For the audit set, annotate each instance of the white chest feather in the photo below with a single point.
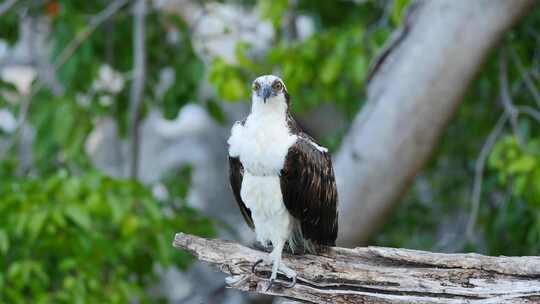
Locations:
(262, 195)
(262, 144)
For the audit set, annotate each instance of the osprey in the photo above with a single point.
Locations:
(282, 179)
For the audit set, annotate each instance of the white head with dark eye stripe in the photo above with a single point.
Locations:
(269, 89)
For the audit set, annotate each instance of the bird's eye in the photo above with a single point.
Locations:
(277, 86)
(256, 86)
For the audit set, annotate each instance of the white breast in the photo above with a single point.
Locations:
(262, 195)
(262, 143)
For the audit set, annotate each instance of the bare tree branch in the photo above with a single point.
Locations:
(394, 40)
(137, 89)
(377, 275)
(479, 172)
(411, 96)
(529, 83)
(529, 111)
(6, 6)
(506, 98)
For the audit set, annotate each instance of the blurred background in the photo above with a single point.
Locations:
(114, 116)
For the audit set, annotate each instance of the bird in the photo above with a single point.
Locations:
(282, 179)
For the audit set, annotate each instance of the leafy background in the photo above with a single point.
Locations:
(70, 233)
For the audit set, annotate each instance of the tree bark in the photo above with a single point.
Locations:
(137, 88)
(414, 90)
(377, 274)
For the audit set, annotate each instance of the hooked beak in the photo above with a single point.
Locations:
(267, 90)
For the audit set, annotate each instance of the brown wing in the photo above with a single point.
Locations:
(309, 191)
(236, 174)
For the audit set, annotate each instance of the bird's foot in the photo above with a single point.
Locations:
(274, 259)
(277, 266)
(289, 273)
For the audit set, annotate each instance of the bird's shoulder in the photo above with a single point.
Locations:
(307, 146)
(302, 137)
(309, 143)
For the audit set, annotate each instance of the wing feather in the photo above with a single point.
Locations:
(309, 191)
(236, 175)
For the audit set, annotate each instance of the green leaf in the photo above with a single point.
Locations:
(523, 164)
(398, 11)
(4, 243)
(273, 10)
(14, 271)
(79, 217)
(68, 264)
(9, 29)
(233, 90)
(358, 69)
(151, 208)
(520, 184)
(129, 225)
(20, 226)
(58, 218)
(36, 223)
(241, 55)
(330, 70)
(118, 210)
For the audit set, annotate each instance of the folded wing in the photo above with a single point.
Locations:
(236, 175)
(309, 190)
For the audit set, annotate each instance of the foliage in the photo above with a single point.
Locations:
(107, 47)
(68, 233)
(85, 239)
(327, 67)
(175, 54)
(515, 221)
(61, 133)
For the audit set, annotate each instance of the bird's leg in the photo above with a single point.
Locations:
(274, 259)
(277, 265)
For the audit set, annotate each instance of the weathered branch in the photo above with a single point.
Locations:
(378, 275)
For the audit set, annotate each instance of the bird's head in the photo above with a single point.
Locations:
(269, 89)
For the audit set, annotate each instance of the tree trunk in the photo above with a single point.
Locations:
(416, 86)
(377, 275)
